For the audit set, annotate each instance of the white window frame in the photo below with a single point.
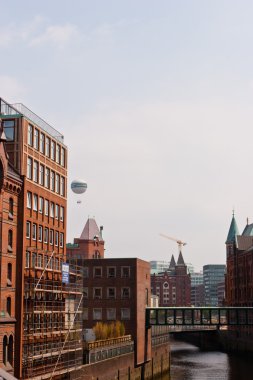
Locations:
(61, 213)
(30, 135)
(36, 139)
(41, 205)
(34, 231)
(28, 229)
(61, 239)
(35, 171)
(35, 202)
(40, 234)
(42, 175)
(42, 143)
(51, 237)
(47, 147)
(29, 199)
(56, 238)
(52, 150)
(46, 235)
(56, 211)
(46, 207)
(29, 168)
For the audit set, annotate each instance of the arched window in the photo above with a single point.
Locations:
(11, 208)
(5, 348)
(8, 305)
(10, 351)
(9, 275)
(10, 240)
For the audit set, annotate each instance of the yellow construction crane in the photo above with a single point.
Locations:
(180, 243)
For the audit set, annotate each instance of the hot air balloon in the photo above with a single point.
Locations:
(78, 186)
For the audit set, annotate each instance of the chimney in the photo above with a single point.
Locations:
(101, 230)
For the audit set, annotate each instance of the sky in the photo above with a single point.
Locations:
(154, 99)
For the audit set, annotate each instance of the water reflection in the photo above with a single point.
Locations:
(189, 363)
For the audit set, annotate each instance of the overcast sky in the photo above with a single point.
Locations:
(154, 99)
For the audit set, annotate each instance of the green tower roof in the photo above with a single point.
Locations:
(233, 231)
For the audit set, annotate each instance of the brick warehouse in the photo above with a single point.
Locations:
(38, 155)
(173, 287)
(239, 276)
(114, 289)
(10, 184)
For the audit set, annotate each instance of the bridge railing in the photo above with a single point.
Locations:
(191, 316)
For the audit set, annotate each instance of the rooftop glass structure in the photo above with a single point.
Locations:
(18, 110)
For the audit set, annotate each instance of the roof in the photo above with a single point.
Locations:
(248, 230)
(172, 263)
(91, 231)
(233, 231)
(244, 242)
(180, 260)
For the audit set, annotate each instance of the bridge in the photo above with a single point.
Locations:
(198, 318)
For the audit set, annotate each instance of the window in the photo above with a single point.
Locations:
(35, 171)
(34, 231)
(61, 239)
(10, 351)
(47, 147)
(30, 135)
(29, 168)
(11, 203)
(97, 314)
(111, 272)
(40, 233)
(35, 202)
(125, 313)
(36, 139)
(52, 150)
(97, 293)
(96, 255)
(85, 292)
(29, 199)
(51, 209)
(111, 293)
(56, 211)
(28, 230)
(42, 143)
(58, 154)
(52, 181)
(51, 239)
(34, 260)
(9, 274)
(41, 179)
(111, 314)
(41, 205)
(46, 207)
(56, 238)
(8, 305)
(10, 240)
(40, 261)
(57, 183)
(62, 156)
(56, 264)
(47, 178)
(125, 293)
(61, 213)
(125, 272)
(62, 190)
(27, 259)
(85, 272)
(46, 235)
(97, 272)
(9, 129)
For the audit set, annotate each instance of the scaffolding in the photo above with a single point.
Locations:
(52, 318)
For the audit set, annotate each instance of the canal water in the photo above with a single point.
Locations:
(190, 363)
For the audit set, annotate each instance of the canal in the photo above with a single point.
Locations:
(190, 363)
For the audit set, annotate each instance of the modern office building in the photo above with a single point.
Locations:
(159, 266)
(37, 154)
(213, 274)
(173, 287)
(197, 289)
(239, 275)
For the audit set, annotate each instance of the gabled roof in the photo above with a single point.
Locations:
(180, 260)
(233, 231)
(91, 231)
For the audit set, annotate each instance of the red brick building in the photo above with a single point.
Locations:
(37, 153)
(173, 287)
(114, 289)
(90, 245)
(10, 190)
(239, 276)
